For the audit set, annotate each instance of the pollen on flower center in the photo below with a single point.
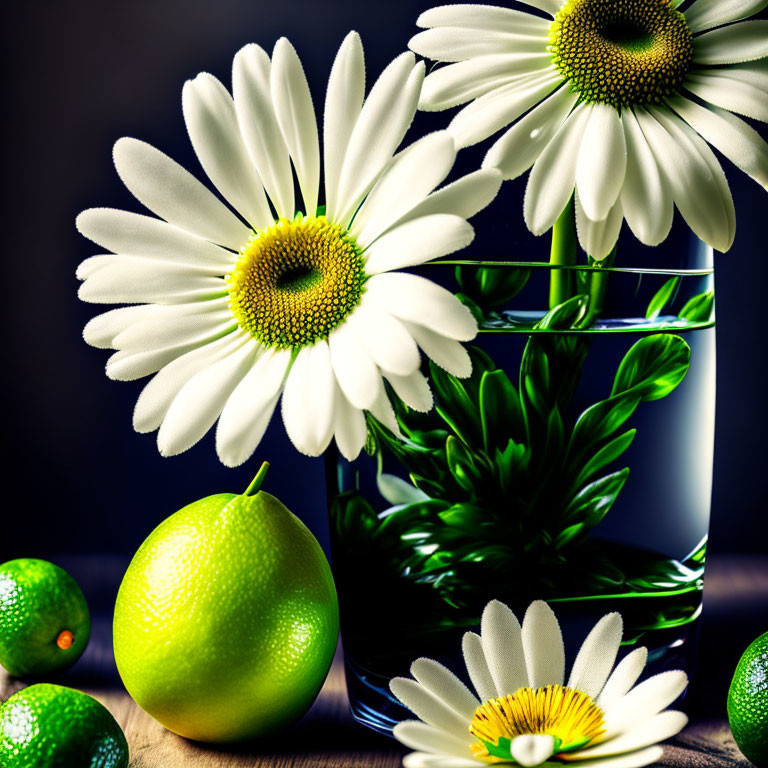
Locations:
(621, 52)
(568, 715)
(296, 281)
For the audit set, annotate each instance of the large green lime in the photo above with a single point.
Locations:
(44, 619)
(748, 702)
(49, 726)
(226, 620)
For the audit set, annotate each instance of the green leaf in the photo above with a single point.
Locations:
(569, 534)
(491, 287)
(608, 453)
(698, 309)
(591, 504)
(454, 405)
(500, 410)
(653, 367)
(462, 465)
(602, 419)
(566, 315)
(662, 298)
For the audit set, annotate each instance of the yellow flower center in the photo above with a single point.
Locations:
(296, 281)
(569, 716)
(621, 52)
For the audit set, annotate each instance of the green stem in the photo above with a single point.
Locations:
(258, 480)
(598, 283)
(564, 251)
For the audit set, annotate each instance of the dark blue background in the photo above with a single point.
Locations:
(79, 75)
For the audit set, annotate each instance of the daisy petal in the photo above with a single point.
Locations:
(101, 330)
(198, 404)
(551, 181)
(418, 241)
(517, 149)
(426, 760)
(385, 339)
(626, 674)
(646, 200)
(454, 44)
(343, 102)
(174, 194)
(729, 93)
(308, 399)
(483, 17)
(705, 14)
(532, 749)
(464, 197)
(248, 410)
(355, 371)
(477, 667)
(739, 142)
(502, 106)
(595, 659)
(209, 113)
(602, 161)
(427, 707)
(447, 353)
(503, 648)
(745, 41)
(753, 72)
(349, 427)
(296, 118)
(418, 735)
(444, 685)
(413, 390)
(381, 409)
(632, 760)
(543, 646)
(421, 301)
(597, 238)
(258, 125)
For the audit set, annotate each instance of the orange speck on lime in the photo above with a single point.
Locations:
(65, 640)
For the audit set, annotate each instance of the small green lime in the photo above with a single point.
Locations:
(748, 703)
(227, 619)
(49, 726)
(44, 619)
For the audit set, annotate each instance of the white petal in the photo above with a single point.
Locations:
(729, 93)
(428, 707)
(486, 17)
(132, 234)
(739, 142)
(355, 371)
(343, 102)
(456, 44)
(385, 339)
(412, 175)
(693, 175)
(308, 400)
(93, 264)
(174, 194)
(597, 238)
(550, 184)
(249, 409)
(296, 117)
(443, 684)
(421, 301)
(381, 409)
(596, 656)
(745, 41)
(652, 731)
(447, 353)
(258, 126)
(157, 396)
(543, 646)
(753, 72)
(645, 199)
(418, 735)
(398, 491)
(349, 427)
(385, 117)
(705, 14)
(502, 106)
(418, 241)
(413, 390)
(532, 749)
(626, 674)
(129, 365)
(101, 330)
(503, 648)
(632, 760)
(463, 81)
(209, 113)
(198, 404)
(644, 701)
(477, 667)
(426, 760)
(517, 149)
(602, 161)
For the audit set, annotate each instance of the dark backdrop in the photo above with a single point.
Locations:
(78, 75)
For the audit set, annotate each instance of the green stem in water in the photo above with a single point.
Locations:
(564, 251)
(598, 283)
(255, 485)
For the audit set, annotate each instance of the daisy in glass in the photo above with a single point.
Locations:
(613, 99)
(525, 713)
(236, 307)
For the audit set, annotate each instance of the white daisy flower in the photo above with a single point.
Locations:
(236, 307)
(615, 99)
(525, 713)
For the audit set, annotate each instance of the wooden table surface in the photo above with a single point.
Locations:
(328, 737)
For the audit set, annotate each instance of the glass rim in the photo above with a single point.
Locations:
(545, 265)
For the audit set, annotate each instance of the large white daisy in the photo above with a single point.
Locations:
(523, 712)
(615, 99)
(236, 306)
